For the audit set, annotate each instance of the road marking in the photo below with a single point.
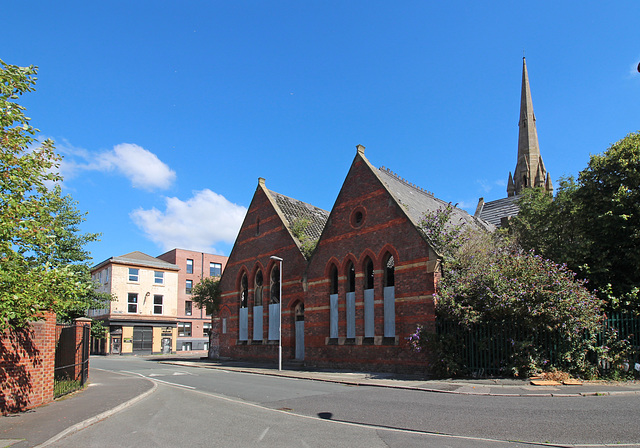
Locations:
(158, 380)
(90, 421)
(264, 433)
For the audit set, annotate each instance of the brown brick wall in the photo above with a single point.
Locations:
(27, 365)
(384, 229)
(256, 243)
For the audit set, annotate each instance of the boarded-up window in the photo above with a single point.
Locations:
(369, 316)
(351, 300)
(274, 321)
(243, 330)
(333, 302)
(257, 323)
(389, 297)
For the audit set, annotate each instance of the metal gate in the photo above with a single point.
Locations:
(71, 369)
(142, 339)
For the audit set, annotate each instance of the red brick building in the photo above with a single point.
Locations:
(354, 299)
(194, 324)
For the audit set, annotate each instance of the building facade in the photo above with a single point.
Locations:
(356, 297)
(194, 324)
(142, 318)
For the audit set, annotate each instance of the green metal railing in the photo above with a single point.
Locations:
(494, 348)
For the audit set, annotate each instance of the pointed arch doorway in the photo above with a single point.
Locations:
(299, 325)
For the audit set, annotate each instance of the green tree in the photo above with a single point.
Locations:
(42, 263)
(552, 226)
(593, 224)
(206, 294)
(609, 197)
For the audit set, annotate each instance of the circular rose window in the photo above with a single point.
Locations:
(357, 217)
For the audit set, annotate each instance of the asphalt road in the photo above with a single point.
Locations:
(205, 407)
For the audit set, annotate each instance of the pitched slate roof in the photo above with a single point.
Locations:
(294, 210)
(138, 258)
(494, 211)
(417, 201)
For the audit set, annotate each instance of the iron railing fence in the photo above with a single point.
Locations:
(493, 349)
(71, 369)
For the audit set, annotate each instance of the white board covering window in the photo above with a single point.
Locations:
(257, 323)
(333, 316)
(243, 330)
(351, 315)
(369, 319)
(274, 321)
(389, 312)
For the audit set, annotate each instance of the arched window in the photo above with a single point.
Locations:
(257, 307)
(389, 297)
(351, 277)
(334, 279)
(333, 302)
(274, 304)
(368, 274)
(258, 289)
(351, 300)
(389, 271)
(275, 284)
(244, 291)
(243, 317)
(369, 299)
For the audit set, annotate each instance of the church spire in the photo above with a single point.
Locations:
(530, 170)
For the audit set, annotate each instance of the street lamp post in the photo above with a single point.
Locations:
(273, 257)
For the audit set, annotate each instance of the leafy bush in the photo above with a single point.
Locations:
(494, 294)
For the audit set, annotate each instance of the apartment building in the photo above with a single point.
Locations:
(142, 318)
(193, 323)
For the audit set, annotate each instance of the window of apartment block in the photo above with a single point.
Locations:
(132, 302)
(106, 275)
(189, 266)
(100, 277)
(134, 274)
(188, 307)
(184, 329)
(189, 286)
(206, 329)
(158, 277)
(215, 269)
(157, 304)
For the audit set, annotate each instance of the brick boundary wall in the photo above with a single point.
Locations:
(27, 365)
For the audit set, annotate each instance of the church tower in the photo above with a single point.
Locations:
(530, 170)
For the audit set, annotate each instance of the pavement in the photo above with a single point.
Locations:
(109, 392)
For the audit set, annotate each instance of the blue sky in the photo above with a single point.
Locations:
(167, 113)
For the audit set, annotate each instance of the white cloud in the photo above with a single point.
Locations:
(199, 223)
(142, 167)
